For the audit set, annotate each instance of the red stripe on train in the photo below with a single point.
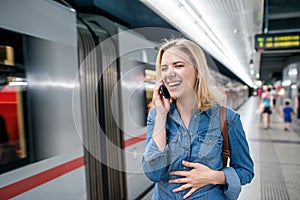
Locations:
(36, 180)
(134, 140)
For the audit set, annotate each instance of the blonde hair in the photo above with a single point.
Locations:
(206, 90)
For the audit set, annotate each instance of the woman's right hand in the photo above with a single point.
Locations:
(162, 104)
(162, 107)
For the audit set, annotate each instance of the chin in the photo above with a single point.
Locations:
(175, 95)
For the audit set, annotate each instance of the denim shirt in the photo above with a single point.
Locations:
(200, 143)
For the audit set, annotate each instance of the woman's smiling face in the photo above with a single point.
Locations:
(179, 75)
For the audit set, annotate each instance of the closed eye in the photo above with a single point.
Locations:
(179, 66)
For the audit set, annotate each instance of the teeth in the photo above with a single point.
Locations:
(175, 83)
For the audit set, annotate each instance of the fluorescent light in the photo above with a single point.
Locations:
(183, 17)
(259, 83)
(286, 83)
(17, 83)
(293, 72)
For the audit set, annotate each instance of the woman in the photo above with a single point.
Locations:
(184, 140)
(267, 102)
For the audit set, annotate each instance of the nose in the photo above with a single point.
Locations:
(170, 72)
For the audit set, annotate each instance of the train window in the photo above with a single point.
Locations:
(11, 48)
(137, 86)
(6, 55)
(13, 138)
(150, 75)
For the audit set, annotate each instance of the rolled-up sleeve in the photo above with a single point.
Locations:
(233, 182)
(241, 170)
(154, 161)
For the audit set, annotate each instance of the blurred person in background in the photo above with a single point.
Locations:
(287, 115)
(267, 103)
(274, 94)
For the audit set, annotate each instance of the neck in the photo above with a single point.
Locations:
(186, 107)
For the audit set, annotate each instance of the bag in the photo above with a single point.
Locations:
(226, 148)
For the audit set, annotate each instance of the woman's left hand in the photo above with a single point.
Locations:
(199, 176)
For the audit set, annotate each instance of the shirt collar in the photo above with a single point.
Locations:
(174, 114)
(212, 111)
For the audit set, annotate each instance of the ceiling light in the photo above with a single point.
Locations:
(286, 83)
(187, 19)
(294, 86)
(293, 72)
(257, 75)
(235, 31)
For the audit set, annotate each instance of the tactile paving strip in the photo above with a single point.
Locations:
(272, 182)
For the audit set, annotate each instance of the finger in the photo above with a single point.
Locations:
(179, 180)
(156, 88)
(190, 164)
(166, 101)
(157, 97)
(189, 193)
(179, 173)
(181, 188)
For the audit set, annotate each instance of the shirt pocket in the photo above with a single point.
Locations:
(210, 145)
(173, 141)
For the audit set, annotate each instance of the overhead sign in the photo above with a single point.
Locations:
(280, 41)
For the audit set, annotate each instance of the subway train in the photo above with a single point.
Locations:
(74, 95)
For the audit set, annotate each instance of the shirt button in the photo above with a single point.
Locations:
(195, 116)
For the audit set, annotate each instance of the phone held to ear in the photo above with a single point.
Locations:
(164, 91)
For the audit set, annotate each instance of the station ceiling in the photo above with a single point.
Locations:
(278, 16)
(281, 16)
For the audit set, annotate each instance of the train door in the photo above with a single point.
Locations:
(101, 136)
(114, 63)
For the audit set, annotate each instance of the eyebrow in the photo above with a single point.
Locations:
(174, 63)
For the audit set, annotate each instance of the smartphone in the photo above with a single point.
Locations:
(164, 91)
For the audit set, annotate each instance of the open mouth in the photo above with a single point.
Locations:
(173, 84)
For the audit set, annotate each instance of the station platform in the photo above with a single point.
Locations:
(275, 153)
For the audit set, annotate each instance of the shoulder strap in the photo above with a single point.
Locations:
(223, 123)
